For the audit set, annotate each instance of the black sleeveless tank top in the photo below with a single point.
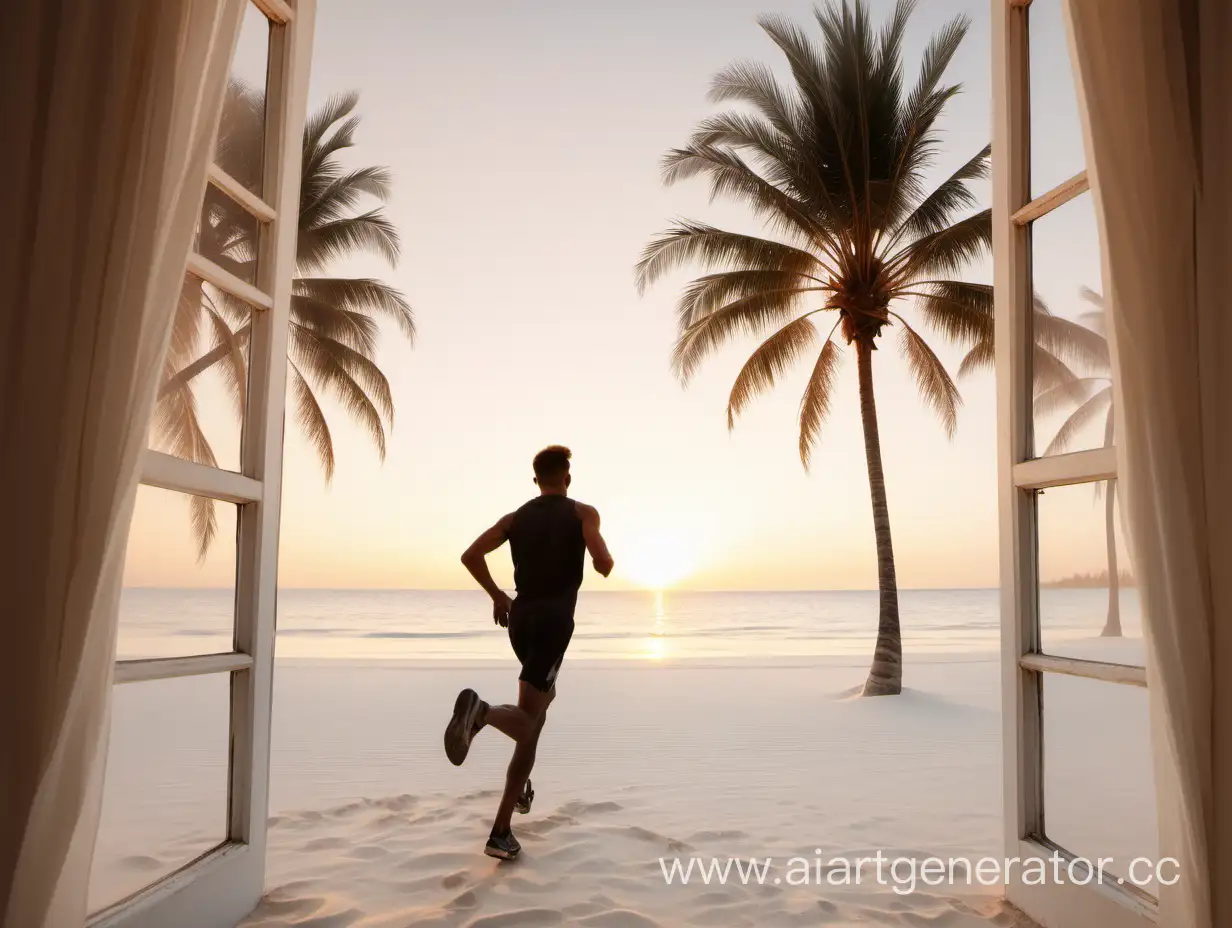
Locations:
(548, 549)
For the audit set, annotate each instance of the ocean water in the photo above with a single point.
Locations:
(733, 626)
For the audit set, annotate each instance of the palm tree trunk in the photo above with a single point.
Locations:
(885, 678)
(186, 373)
(1112, 627)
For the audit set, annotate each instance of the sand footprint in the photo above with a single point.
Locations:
(718, 836)
(619, 918)
(325, 844)
(368, 852)
(466, 900)
(522, 918)
(577, 807)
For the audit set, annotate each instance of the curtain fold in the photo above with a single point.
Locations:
(1155, 81)
(110, 109)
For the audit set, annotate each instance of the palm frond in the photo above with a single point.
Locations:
(237, 312)
(1085, 413)
(936, 60)
(1072, 343)
(846, 106)
(890, 45)
(312, 420)
(711, 291)
(342, 194)
(355, 330)
(730, 176)
(240, 149)
(982, 356)
(938, 209)
(755, 84)
(815, 404)
(771, 360)
(961, 311)
(750, 315)
(185, 323)
(773, 153)
(1095, 319)
(320, 142)
(1048, 371)
(321, 362)
(338, 107)
(235, 363)
(808, 66)
(931, 378)
(176, 429)
(950, 250)
(371, 231)
(1069, 393)
(204, 523)
(709, 246)
(360, 295)
(320, 355)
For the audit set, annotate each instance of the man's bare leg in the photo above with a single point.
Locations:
(523, 723)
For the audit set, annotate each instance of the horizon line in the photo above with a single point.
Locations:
(408, 589)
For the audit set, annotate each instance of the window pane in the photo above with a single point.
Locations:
(199, 414)
(1073, 374)
(1088, 600)
(1056, 127)
(1099, 787)
(228, 235)
(165, 794)
(176, 602)
(240, 150)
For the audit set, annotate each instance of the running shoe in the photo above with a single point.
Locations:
(522, 806)
(503, 847)
(468, 712)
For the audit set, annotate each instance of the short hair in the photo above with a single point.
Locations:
(552, 463)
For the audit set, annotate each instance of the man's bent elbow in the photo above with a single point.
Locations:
(605, 566)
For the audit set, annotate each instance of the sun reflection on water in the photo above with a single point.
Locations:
(657, 645)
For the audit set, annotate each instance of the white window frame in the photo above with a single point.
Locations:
(1020, 477)
(223, 885)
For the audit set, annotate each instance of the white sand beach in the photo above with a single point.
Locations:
(643, 760)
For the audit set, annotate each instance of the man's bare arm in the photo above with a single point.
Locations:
(474, 559)
(594, 540)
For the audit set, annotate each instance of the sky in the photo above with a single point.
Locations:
(524, 141)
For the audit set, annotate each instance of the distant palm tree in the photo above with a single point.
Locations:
(1061, 345)
(334, 327)
(835, 165)
(1092, 397)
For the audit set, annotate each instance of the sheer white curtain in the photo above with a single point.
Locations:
(1156, 82)
(109, 109)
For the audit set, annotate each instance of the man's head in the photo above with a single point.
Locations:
(552, 468)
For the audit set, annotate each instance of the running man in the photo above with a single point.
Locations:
(548, 538)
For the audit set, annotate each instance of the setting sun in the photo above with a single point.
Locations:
(657, 562)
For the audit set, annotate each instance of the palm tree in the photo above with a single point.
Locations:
(333, 329)
(835, 165)
(1061, 345)
(1091, 395)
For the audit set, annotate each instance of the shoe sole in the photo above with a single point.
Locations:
(499, 854)
(458, 731)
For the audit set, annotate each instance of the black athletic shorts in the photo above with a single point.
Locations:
(539, 630)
